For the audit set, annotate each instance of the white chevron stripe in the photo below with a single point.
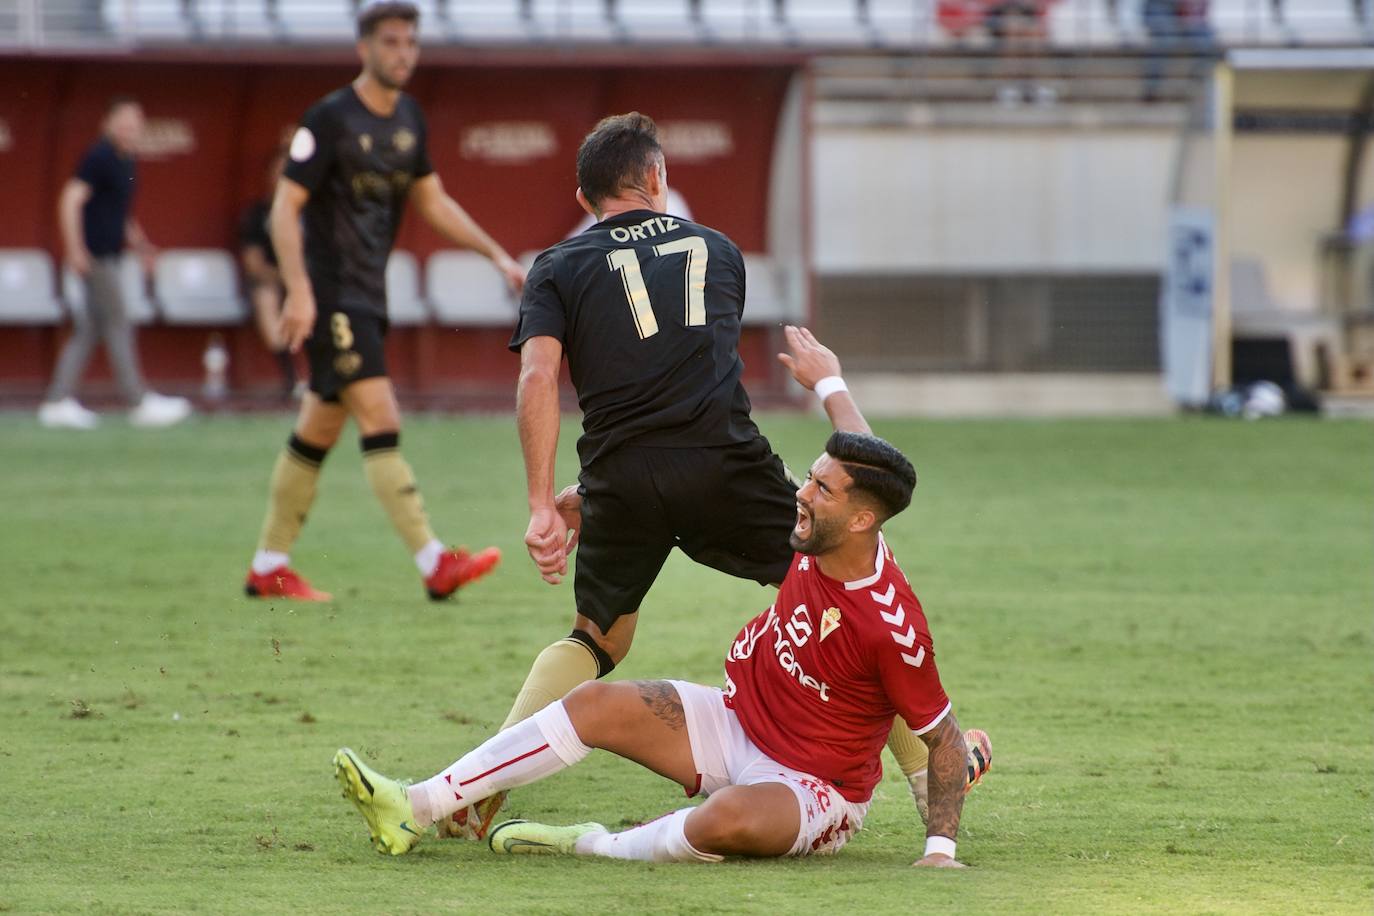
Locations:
(915, 660)
(885, 599)
(905, 639)
(897, 618)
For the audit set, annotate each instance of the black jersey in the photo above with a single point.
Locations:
(648, 308)
(358, 168)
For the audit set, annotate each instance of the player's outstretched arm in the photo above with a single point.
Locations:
(284, 223)
(947, 775)
(445, 214)
(815, 366)
(536, 414)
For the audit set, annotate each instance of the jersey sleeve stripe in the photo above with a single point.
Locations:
(935, 721)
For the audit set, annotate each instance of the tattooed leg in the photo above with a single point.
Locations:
(642, 721)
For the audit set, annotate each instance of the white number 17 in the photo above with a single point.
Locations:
(627, 262)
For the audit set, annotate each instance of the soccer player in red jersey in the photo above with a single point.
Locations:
(788, 753)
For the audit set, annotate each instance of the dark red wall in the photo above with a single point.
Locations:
(233, 113)
(237, 112)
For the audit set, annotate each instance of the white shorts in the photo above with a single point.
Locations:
(724, 756)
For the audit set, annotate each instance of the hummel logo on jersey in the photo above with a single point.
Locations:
(805, 564)
(830, 622)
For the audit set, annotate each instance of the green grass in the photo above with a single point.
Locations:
(1165, 626)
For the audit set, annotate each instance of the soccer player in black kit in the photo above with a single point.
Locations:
(646, 306)
(357, 158)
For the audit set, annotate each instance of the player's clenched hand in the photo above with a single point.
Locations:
(544, 539)
(569, 505)
(807, 358)
(297, 318)
(938, 860)
(512, 271)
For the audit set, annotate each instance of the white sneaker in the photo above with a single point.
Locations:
(66, 414)
(159, 410)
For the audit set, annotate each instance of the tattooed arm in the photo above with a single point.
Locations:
(947, 776)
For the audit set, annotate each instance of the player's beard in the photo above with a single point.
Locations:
(826, 535)
(384, 79)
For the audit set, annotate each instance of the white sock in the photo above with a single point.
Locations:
(528, 751)
(663, 840)
(427, 558)
(264, 561)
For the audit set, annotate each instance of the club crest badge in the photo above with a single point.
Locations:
(403, 140)
(830, 622)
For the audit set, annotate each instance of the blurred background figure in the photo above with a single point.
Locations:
(261, 277)
(94, 217)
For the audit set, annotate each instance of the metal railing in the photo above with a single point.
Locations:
(819, 24)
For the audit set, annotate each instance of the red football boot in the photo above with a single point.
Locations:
(457, 568)
(283, 582)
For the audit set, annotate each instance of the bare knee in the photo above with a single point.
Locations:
(732, 822)
(585, 704)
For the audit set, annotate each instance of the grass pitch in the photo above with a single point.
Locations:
(1165, 626)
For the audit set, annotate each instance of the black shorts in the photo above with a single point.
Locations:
(347, 346)
(729, 507)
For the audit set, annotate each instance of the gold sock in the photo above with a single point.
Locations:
(290, 494)
(910, 751)
(557, 670)
(393, 483)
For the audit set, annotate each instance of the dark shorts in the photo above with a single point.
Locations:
(728, 507)
(346, 346)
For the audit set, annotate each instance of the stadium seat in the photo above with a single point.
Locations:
(155, 20)
(197, 286)
(404, 304)
(307, 21)
(494, 20)
(765, 301)
(826, 22)
(1323, 22)
(1082, 23)
(658, 20)
(26, 287)
(133, 283)
(740, 21)
(464, 288)
(234, 20)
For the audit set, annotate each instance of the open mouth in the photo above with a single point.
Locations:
(803, 526)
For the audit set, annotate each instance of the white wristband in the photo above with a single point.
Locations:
(941, 844)
(828, 386)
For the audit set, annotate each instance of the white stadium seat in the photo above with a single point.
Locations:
(658, 20)
(197, 286)
(404, 304)
(133, 283)
(492, 20)
(306, 21)
(834, 22)
(27, 287)
(765, 301)
(465, 288)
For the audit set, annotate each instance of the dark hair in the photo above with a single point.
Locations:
(616, 154)
(118, 101)
(876, 468)
(371, 14)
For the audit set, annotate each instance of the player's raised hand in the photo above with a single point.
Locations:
(545, 540)
(569, 505)
(938, 860)
(807, 358)
(297, 318)
(512, 271)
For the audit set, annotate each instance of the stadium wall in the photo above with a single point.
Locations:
(503, 139)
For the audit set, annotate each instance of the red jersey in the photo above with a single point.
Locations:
(817, 678)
